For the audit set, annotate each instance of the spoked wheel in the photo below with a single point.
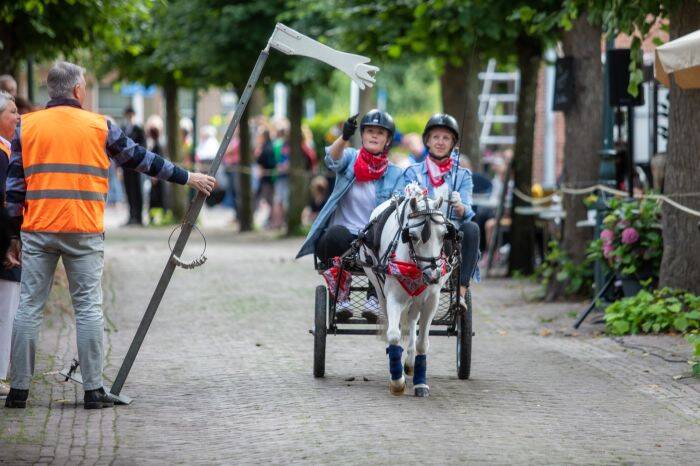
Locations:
(320, 332)
(464, 339)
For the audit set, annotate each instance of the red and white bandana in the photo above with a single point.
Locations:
(333, 275)
(370, 167)
(437, 171)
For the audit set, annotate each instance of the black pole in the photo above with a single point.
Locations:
(187, 225)
(630, 151)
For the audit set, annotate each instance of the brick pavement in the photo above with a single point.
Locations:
(224, 376)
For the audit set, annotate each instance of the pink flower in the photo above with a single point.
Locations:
(607, 236)
(629, 236)
(607, 250)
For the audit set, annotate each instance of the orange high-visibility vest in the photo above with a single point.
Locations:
(66, 169)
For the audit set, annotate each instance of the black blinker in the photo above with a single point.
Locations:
(425, 233)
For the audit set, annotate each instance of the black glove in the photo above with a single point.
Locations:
(349, 127)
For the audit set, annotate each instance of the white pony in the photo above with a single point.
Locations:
(408, 270)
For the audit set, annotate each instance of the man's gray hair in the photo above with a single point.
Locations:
(62, 78)
(5, 98)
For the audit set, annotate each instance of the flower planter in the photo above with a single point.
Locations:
(630, 285)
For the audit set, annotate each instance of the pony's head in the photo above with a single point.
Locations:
(424, 231)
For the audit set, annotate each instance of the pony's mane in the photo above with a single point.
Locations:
(413, 189)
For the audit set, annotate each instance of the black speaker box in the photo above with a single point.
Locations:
(563, 84)
(619, 79)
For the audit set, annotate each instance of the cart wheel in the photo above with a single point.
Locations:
(464, 339)
(320, 332)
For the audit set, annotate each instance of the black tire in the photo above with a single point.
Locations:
(464, 339)
(320, 332)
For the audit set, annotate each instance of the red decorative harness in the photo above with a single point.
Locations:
(410, 276)
(336, 279)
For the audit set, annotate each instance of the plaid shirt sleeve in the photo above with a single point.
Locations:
(126, 153)
(16, 187)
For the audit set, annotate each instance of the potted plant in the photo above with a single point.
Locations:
(631, 243)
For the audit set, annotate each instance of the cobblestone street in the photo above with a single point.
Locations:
(224, 376)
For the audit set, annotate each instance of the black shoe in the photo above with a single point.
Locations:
(17, 398)
(97, 399)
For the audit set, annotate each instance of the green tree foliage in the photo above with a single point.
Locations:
(43, 29)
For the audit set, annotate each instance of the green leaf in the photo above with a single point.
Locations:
(394, 51)
(680, 323)
(620, 327)
(420, 10)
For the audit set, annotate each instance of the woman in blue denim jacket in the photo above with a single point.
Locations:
(364, 179)
(442, 177)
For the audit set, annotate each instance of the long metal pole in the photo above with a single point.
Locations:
(190, 219)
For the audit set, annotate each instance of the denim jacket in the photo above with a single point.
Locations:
(464, 185)
(391, 182)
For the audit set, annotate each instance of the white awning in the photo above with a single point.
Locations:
(682, 58)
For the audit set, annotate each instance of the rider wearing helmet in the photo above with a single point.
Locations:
(442, 176)
(364, 179)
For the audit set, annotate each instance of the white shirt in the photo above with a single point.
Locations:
(355, 207)
(5, 142)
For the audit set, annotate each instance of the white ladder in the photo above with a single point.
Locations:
(490, 103)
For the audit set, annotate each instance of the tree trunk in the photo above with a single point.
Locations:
(583, 135)
(298, 177)
(459, 87)
(9, 63)
(178, 194)
(522, 237)
(245, 205)
(680, 267)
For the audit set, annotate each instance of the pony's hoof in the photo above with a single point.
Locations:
(421, 391)
(397, 389)
(408, 370)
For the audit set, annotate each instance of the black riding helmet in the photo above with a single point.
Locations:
(441, 120)
(381, 119)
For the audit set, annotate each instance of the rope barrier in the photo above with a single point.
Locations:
(616, 192)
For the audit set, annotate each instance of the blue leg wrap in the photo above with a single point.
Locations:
(420, 369)
(395, 366)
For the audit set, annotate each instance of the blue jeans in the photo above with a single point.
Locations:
(83, 259)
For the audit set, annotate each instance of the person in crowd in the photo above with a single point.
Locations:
(413, 143)
(64, 146)
(186, 141)
(266, 160)
(8, 84)
(364, 179)
(307, 148)
(281, 148)
(443, 177)
(499, 168)
(318, 195)
(156, 197)
(132, 179)
(487, 211)
(10, 271)
(232, 160)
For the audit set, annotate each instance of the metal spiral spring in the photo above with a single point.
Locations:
(194, 263)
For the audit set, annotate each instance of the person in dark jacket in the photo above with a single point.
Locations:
(132, 179)
(10, 272)
(157, 195)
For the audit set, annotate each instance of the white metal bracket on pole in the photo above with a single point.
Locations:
(291, 42)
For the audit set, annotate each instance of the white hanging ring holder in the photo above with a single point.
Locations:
(196, 262)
